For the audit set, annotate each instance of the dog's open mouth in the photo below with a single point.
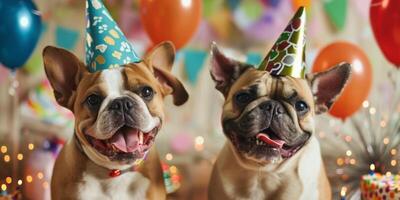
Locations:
(126, 143)
(266, 144)
(269, 138)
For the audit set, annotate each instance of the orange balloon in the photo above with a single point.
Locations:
(173, 20)
(299, 3)
(359, 85)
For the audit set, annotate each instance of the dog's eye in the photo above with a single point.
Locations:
(147, 93)
(242, 98)
(94, 100)
(301, 106)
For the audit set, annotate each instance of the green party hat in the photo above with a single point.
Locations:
(106, 45)
(287, 56)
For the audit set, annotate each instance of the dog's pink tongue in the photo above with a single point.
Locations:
(126, 140)
(275, 143)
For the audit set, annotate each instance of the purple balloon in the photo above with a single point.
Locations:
(271, 24)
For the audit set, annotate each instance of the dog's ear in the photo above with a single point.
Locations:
(64, 71)
(161, 59)
(224, 71)
(328, 85)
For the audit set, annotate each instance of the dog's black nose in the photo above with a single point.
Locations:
(123, 104)
(273, 107)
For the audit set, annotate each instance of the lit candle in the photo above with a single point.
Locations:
(372, 169)
(343, 193)
(3, 190)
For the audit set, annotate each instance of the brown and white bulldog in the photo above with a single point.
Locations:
(118, 113)
(271, 151)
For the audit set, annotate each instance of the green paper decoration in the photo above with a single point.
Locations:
(337, 12)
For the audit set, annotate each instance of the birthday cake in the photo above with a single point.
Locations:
(380, 187)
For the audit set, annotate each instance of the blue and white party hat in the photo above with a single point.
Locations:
(106, 45)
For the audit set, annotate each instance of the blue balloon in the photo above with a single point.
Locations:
(20, 28)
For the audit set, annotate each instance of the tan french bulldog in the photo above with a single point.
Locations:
(271, 151)
(118, 113)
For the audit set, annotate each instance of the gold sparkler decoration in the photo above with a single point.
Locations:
(367, 142)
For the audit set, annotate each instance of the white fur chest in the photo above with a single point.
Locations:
(297, 179)
(309, 170)
(130, 185)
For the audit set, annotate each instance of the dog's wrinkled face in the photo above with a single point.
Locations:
(118, 111)
(267, 117)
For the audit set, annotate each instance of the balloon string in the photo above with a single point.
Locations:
(15, 125)
(12, 90)
(393, 76)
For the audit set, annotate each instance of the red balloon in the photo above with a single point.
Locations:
(359, 85)
(173, 20)
(385, 22)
